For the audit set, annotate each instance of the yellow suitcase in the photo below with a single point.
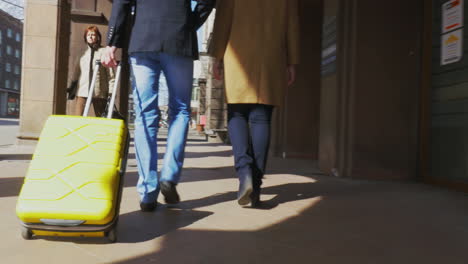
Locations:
(73, 185)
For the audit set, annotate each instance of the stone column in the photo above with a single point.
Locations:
(45, 56)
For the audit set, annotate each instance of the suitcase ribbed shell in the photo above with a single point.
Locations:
(74, 173)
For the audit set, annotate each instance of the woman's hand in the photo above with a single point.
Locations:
(291, 72)
(218, 69)
(108, 57)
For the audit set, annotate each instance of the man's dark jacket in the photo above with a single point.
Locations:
(158, 25)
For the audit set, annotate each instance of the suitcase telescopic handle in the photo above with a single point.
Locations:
(93, 85)
(114, 91)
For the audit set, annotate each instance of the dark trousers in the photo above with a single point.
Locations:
(249, 131)
(99, 105)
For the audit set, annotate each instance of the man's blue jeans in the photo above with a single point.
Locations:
(146, 68)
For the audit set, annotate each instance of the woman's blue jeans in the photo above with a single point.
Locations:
(249, 131)
(146, 68)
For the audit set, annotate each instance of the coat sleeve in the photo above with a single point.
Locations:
(121, 10)
(202, 11)
(76, 71)
(222, 28)
(293, 33)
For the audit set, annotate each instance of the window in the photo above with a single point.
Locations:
(7, 84)
(18, 37)
(17, 69)
(8, 50)
(195, 94)
(9, 33)
(17, 53)
(86, 5)
(8, 67)
(16, 85)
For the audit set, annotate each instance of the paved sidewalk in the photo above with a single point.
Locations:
(8, 131)
(306, 218)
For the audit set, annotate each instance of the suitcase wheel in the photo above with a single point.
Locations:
(26, 233)
(112, 235)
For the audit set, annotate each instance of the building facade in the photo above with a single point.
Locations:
(380, 91)
(212, 108)
(11, 42)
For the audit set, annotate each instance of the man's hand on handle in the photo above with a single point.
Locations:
(108, 57)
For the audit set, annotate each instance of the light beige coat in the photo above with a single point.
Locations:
(257, 40)
(83, 75)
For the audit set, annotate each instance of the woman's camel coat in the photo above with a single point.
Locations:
(257, 40)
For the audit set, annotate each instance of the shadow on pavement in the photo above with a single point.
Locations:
(190, 155)
(197, 139)
(9, 122)
(350, 222)
(131, 179)
(10, 186)
(193, 174)
(191, 143)
(205, 144)
(282, 194)
(189, 175)
(136, 227)
(224, 153)
(16, 156)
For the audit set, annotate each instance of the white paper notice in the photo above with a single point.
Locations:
(452, 15)
(452, 47)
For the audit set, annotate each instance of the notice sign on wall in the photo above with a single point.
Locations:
(452, 32)
(452, 47)
(452, 15)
